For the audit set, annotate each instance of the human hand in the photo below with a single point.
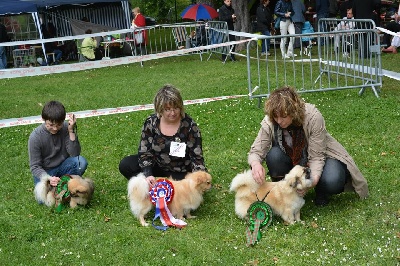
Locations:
(151, 180)
(54, 181)
(258, 172)
(71, 122)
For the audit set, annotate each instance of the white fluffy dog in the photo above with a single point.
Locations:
(81, 191)
(282, 196)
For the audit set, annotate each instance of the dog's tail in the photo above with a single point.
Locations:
(42, 194)
(244, 179)
(138, 187)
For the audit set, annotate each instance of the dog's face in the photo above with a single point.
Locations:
(81, 188)
(299, 177)
(202, 179)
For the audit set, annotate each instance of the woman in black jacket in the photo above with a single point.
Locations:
(264, 22)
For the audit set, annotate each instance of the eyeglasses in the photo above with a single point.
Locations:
(170, 110)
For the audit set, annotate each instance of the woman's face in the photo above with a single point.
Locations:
(171, 113)
(283, 122)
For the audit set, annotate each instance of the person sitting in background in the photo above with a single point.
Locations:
(89, 48)
(394, 26)
(345, 24)
(170, 141)
(197, 37)
(49, 31)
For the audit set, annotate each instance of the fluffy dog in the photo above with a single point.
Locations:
(81, 191)
(188, 195)
(282, 196)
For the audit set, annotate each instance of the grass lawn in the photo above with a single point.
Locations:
(348, 231)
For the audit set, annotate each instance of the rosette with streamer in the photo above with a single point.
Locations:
(161, 194)
(61, 193)
(260, 215)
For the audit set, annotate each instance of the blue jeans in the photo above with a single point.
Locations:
(332, 180)
(263, 50)
(3, 57)
(71, 166)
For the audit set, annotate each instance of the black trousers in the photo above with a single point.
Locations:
(333, 178)
(129, 167)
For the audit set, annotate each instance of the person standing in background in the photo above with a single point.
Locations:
(227, 14)
(140, 36)
(298, 19)
(322, 9)
(284, 12)
(3, 52)
(264, 24)
(365, 9)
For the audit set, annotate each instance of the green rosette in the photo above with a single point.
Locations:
(260, 210)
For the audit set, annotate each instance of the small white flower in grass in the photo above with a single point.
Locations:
(43, 256)
(173, 255)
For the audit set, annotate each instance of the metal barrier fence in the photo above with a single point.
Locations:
(336, 57)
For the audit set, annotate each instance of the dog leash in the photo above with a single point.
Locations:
(260, 216)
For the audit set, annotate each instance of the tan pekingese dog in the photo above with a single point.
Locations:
(188, 195)
(282, 196)
(81, 191)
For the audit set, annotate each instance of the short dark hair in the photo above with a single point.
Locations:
(54, 111)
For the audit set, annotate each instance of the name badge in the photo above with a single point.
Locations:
(177, 149)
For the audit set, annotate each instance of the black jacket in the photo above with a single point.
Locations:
(225, 14)
(264, 18)
(3, 34)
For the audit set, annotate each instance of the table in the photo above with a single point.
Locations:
(107, 45)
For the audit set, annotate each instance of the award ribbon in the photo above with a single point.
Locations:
(62, 194)
(260, 215)
(161, 194)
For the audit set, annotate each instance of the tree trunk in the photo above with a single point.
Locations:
(242, 19)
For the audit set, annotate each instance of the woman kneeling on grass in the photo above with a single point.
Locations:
(170, 144)
(293, 133)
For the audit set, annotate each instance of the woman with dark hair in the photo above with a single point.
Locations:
(293, 133)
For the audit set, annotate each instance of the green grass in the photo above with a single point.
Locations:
(348, 231)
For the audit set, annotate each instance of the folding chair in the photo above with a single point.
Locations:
(180, 36)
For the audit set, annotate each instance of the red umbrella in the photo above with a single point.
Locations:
(199, 11)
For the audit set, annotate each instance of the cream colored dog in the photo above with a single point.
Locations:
(81, 191)
(188, 195)
(282, 196)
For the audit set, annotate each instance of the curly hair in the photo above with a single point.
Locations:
(168, 95)
(283, 102)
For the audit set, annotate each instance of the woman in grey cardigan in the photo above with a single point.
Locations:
(293, 133)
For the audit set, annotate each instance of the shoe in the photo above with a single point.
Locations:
(321, 200)
(233, 59)
(291, 55)
(263, 54)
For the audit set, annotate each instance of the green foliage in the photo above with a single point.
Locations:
(348, 231)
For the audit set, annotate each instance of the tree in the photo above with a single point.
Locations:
(242, 19)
